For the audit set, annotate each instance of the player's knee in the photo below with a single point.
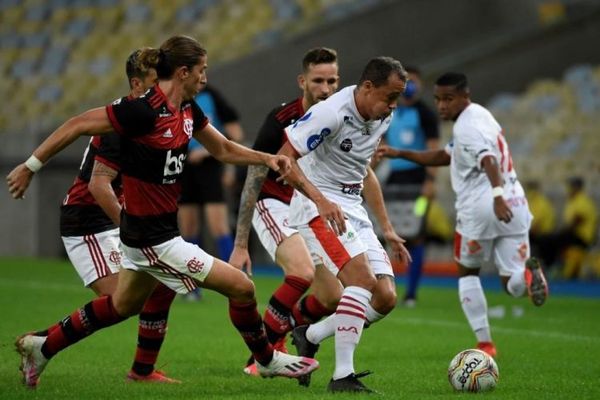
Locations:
(243, 290)
(384, 301)
(306, 272)
(127, 309)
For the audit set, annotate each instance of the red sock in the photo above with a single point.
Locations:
(246, 319)
(309, 310)
(277, 316)
(95, 315)
(152, 329)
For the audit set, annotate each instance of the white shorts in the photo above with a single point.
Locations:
(94, 256)
(334, 251)
(176, 263)
(508, 253)
(270, 221)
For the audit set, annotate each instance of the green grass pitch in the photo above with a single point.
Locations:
(551, 352)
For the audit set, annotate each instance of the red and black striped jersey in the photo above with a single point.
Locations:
(154, 142)
(80, 214)
(270, 139)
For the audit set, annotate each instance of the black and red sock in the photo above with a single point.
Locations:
(246, 319)
(277, 316)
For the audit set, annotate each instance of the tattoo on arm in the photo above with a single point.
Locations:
(101, 169)
(254, 181)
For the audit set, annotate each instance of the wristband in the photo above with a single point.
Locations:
(497, 191)
(34, 164)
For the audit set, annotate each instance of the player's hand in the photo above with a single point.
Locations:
(502, 210)
(279, 163)
(18, 181)
(332, 216)
(384, 151)
(240, 258)
(399, 251)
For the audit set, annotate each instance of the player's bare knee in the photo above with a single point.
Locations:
(243, 290)
(305, 272)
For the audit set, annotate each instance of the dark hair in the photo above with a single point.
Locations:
(576, 182)
(177, 51)
(456, 79)
(318, 55)
(379, 69)
(134, 68)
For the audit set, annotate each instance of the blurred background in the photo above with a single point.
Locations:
(531, 62)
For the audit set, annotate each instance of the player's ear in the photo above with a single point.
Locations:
(301, 81)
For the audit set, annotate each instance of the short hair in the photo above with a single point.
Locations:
(177, 51)
(318, 55)
(134, 68)
(456, 79)
(379, 69)
(576, 182)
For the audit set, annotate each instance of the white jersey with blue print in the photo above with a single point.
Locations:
(477, 134)
(336, 144)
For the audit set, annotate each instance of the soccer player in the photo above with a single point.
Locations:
(155, 130)
(269, 215)
(492, 215)
(334, 142)
(89, 220)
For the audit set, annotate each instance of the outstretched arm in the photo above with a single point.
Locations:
(374, 198)
(92, 122)
(228, 151)
(428, 158)
(240, 256)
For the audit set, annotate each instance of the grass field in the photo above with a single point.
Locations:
(548, 353)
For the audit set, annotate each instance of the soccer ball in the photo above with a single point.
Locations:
(473, 370)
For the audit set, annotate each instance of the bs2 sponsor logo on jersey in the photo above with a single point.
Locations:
(315, 140)
(173, 167)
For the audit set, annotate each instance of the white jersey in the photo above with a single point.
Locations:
(477, 134)
(337, 145)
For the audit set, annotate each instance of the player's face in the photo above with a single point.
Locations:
(381, 101)
(449, 101)
(196, 78)
(319, 82)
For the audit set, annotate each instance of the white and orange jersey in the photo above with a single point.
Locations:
(477, 134)
(336, 144)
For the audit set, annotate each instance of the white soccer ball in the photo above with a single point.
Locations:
(473, 370)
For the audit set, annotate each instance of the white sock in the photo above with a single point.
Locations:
(321, 330)
(372, 315)
(349, 322)
(474, 305)
(516, 284)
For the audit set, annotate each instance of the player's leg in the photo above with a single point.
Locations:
(469, 255)
(132, 290)
(519, 272)
(243, 312)
(217, 220)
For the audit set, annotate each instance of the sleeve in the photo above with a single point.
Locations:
(473, 145)
(310, 130)
(109, 151)
(200, 119)
(133, 117)
(225, 110)
(429, 122)
(270, 136)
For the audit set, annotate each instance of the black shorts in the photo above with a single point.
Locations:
(202, 183)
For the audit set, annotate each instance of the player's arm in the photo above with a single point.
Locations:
(374, 197)
(489, 163)
(432, 158)
(330, 212)
(100, 187)
(228, 151)
(91, 122)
